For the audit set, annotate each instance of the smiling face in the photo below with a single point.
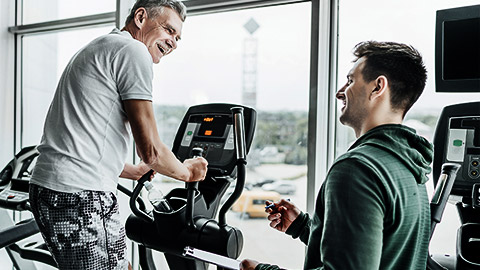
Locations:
(354, 96)
(159, 34)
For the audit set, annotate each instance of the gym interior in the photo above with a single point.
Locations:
(284, 58)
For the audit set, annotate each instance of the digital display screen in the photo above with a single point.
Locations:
(213, 125)
(461, 49)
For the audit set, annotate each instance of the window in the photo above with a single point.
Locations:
(411, 22)
(258, 58)
(43, 59)
(49, 10)
(254, 57)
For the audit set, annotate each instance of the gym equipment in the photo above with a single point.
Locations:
(14, 183)
(457, 140)
(222, 133)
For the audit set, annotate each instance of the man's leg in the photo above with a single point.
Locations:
(82, 230)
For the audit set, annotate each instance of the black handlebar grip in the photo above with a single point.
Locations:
(191, 190)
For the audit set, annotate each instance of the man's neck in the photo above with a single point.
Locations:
(380, 119)
(131, 29)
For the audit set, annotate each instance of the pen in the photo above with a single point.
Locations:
(272, 205)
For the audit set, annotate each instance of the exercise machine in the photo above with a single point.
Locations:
(457, 141)
(14, 183)
(221, 133)
(15, 238)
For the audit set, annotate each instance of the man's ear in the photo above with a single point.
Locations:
(380, 86)
(140, 17)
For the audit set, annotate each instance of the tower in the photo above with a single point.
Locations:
(249, 78)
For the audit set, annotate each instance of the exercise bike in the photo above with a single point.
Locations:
(222, 133)
(14, 183)
(457, 142)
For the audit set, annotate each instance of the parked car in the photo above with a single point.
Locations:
(282, 187)
(252, 202)
(230, 190)
(262, 182)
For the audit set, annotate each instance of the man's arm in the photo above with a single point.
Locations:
(153, 151)
(286, 217)
(349, 234)
(134, 172)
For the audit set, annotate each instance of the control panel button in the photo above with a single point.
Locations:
(229, 144)
(188, 135)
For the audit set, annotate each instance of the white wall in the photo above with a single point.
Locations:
(7, 16)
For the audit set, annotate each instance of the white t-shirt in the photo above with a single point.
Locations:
(86, 134)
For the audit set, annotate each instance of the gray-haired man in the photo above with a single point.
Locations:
(105, 88)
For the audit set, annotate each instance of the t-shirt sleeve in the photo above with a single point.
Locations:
(353, 220)
(132, 69)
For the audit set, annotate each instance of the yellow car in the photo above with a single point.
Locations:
(252, 202)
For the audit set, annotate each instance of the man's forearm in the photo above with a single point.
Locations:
(165, 162)
(130, 171)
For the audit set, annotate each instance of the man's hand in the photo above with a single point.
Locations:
(248, 264)
(197, 168)
(282, 214)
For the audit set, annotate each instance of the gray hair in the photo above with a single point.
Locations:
(155, 7)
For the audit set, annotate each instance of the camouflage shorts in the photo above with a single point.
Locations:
(82, 230)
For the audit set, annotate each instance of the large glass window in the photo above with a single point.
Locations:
(259, 58)
(44, 56)
(254, 57)
(411, 22)
(49, 10)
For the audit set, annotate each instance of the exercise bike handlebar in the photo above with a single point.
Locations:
(240, 146)
(438, 203)
(135, 196)
(442, 192)
(192, 188)
(239, 132)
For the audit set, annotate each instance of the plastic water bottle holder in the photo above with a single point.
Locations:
(174, 222)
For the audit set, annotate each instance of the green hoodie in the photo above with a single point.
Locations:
(372, 211)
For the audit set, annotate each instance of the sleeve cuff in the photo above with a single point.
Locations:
(298, 225)
(264, 266)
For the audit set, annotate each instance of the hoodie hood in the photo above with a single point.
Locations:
(404, 143)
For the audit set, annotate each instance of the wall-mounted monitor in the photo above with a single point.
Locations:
(457, 50)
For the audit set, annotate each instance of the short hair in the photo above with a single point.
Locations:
(400, 63)
(155, 7)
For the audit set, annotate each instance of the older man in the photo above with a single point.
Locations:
(105, 90)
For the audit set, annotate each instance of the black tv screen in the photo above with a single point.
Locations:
(461, 49)
(457, 50)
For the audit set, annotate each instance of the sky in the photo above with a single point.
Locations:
(406, 21)
(208, 64)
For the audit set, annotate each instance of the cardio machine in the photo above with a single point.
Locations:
(221, 133)
(14, 183)
(457, 142)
